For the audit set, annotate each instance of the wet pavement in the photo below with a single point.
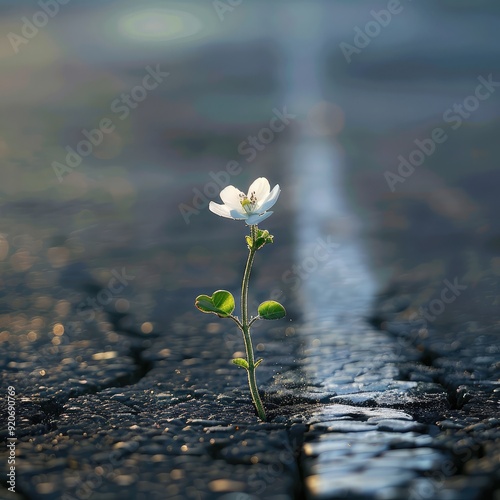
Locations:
(382, 382)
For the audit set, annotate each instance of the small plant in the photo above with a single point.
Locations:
(253, 209)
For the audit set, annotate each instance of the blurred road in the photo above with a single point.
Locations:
(380, 120)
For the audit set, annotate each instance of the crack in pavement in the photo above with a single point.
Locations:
(45, 411)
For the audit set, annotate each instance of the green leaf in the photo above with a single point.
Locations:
(258, 362)
(271, 310)
(262, 233)
(241, 362)
(263, 238)
(221, 303)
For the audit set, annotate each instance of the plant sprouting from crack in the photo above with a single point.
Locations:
(253, 208)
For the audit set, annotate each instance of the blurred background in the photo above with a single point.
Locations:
(121, 121)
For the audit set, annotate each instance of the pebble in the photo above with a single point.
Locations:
(226, 485)
(393, 425)
(450, 424)
(126, 446)
(120, 397)
(363, 398)
(343, 426)
(418, 459)
(476, 427)
(365, 483)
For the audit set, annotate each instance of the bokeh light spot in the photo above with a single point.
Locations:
(58, 329)
(37, 322)
(214, 328)
(63, 307)
(122, 305)
(43, 302)
(58, 256)
(326, 119)
(159, 24)
(147, 327)
(105, 355)
(22, 260)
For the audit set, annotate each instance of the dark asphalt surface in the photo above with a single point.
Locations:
(383, 381)
(107, 416)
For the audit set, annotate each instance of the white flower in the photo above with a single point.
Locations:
(252, 207)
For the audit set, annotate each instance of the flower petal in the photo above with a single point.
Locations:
(221, 210)
(231, 197)
(237, 215)
(271, 199)
(257, 219)
(260, 187)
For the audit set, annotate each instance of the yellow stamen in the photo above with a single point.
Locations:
(248, 204)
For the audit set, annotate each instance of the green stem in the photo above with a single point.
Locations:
(246, 279)
(237, 321)
(252, 381)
